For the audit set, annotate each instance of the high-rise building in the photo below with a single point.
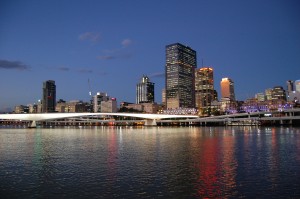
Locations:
(290, 86)
(215, 96)
(293, 92)
(145, 91)
(268, 93)
(278, 93)
(102, 103)
(32, 108)
(204, 89)
(297, 86)
(260, 97)
(21, 109)
(227, 88)
(109, 106)
(49, 96)
(163, 97)
(180, 76)
(74, 106)
(98, 98)
(290, 89)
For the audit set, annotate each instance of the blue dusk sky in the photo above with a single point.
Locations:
(113, 43)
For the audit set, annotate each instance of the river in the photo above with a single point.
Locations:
(150, 162)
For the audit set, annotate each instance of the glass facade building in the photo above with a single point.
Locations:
(204, 88)
(98, 99)
(180, 76)
(49, 96)
(290, 86)
(145, 91)
(268, 94)
(297, 85)
(278, 93)
(227, 88)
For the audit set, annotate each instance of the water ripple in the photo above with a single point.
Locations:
(206, 162)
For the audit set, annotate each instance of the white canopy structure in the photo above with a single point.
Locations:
(53, 116)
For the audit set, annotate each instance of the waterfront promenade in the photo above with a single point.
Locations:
(89, 118)
(285, 117)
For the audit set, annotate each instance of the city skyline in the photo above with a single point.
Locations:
(112, 44)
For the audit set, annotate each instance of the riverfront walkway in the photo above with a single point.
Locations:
(285, 117)
(149, 119)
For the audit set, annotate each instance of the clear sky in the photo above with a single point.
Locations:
(113, 43)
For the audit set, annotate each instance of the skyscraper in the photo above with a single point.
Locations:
(290, 89)
(145, 91)
(163, 97)
(49, 96)
(98, 99)
(290, 86)
(268, 93)
(180, 76)
(297, 85)
(227, 88)
(278, 93)
(204, 88)
(260, 97)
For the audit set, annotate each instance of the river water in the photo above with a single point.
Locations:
(152, 162)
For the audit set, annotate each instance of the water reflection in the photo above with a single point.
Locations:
(216, 164)
(191, 162)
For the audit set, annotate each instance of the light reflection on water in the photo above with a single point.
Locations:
(189, 162)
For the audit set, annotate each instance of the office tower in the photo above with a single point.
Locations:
(98, 98)
(74, 106)
(227, 88)
(180, 76)
(163, 97)
(278, 93)
(33, 108)
(49, 96)
(109, 106)
(293, 95)
(204, 88)
(260, 97)
(297, 85)
(21, 109)
(290, 86)
(215, 96)
(290, 89)
(145, 91)
(268, 94)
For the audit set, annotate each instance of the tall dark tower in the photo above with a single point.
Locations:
(290, 86)
(49, 96)
(180, 76)
(145, 91)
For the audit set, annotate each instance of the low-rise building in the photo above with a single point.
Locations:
(150, 107)
(228, 105)
(109, 106)
(74, 106)
(33, 108)
(21, 109)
